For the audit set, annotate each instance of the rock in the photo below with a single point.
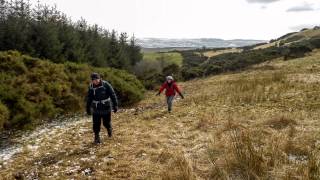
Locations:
(87, 171)
(84, 159)
(108, 159)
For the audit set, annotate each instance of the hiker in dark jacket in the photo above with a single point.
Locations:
(101, 99)
(171, 88)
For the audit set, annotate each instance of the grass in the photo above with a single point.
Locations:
(262, 123)
(169, 57)
(293, 38)
(264, 46)
(218, 52)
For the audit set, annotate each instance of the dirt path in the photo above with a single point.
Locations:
(144, 139)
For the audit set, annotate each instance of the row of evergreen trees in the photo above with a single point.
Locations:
(45, 32)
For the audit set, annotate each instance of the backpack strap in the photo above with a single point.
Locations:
(95, 88)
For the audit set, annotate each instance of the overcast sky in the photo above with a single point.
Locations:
(227, 19)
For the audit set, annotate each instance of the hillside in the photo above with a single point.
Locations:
(289, 38)
(261, 123)
(33, 91)
(211, 53)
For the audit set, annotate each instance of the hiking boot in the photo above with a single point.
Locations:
(97, 139)
(109, 132)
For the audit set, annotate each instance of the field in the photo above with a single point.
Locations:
(218, 52)
(169, 57)
(262, 123)
(155, 50)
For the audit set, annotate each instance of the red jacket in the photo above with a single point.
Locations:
(170, 89)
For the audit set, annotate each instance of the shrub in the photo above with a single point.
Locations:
(297, 50)
(32, 89)
(191, 73)
(195, 65)
(4, 115)
(315, 42)
(294, 38)
(152, 72)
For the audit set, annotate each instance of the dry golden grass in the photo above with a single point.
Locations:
(305, 34)
(310, 33)
(218, 52)
(266, 45)
(259, 124)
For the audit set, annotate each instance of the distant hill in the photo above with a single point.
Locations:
(304, 34)
(194, 43)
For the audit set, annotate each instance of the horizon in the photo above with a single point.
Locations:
(204, 38)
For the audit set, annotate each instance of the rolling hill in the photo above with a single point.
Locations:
(261, 123)
(289, 38)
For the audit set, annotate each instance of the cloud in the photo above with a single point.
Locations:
(262, 1)
(301, 8)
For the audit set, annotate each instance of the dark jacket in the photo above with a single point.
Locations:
(100, 97)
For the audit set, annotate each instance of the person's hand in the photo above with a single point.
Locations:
(115, 109)
(158, 94)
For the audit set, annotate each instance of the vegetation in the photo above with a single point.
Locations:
(45, 32)
(292, 37)
(154, 67)
(32, 90)
(168, 57)
(261, 123)
(197, 65)
(214, 52)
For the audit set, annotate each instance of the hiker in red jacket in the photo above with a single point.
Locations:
(171, 89)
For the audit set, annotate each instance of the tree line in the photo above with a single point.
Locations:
(45, 32)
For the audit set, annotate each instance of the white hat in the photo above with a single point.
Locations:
(169, 78)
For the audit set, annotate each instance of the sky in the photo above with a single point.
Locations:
(225, 19)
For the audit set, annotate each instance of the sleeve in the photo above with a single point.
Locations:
(162, 87)
(89, 99)
(177, 88)
(112, 95)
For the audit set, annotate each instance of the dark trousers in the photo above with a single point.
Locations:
(106, 120)
(170, 102)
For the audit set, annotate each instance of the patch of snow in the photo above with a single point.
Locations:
(295, 158)
(37, 137)
(6, 154)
